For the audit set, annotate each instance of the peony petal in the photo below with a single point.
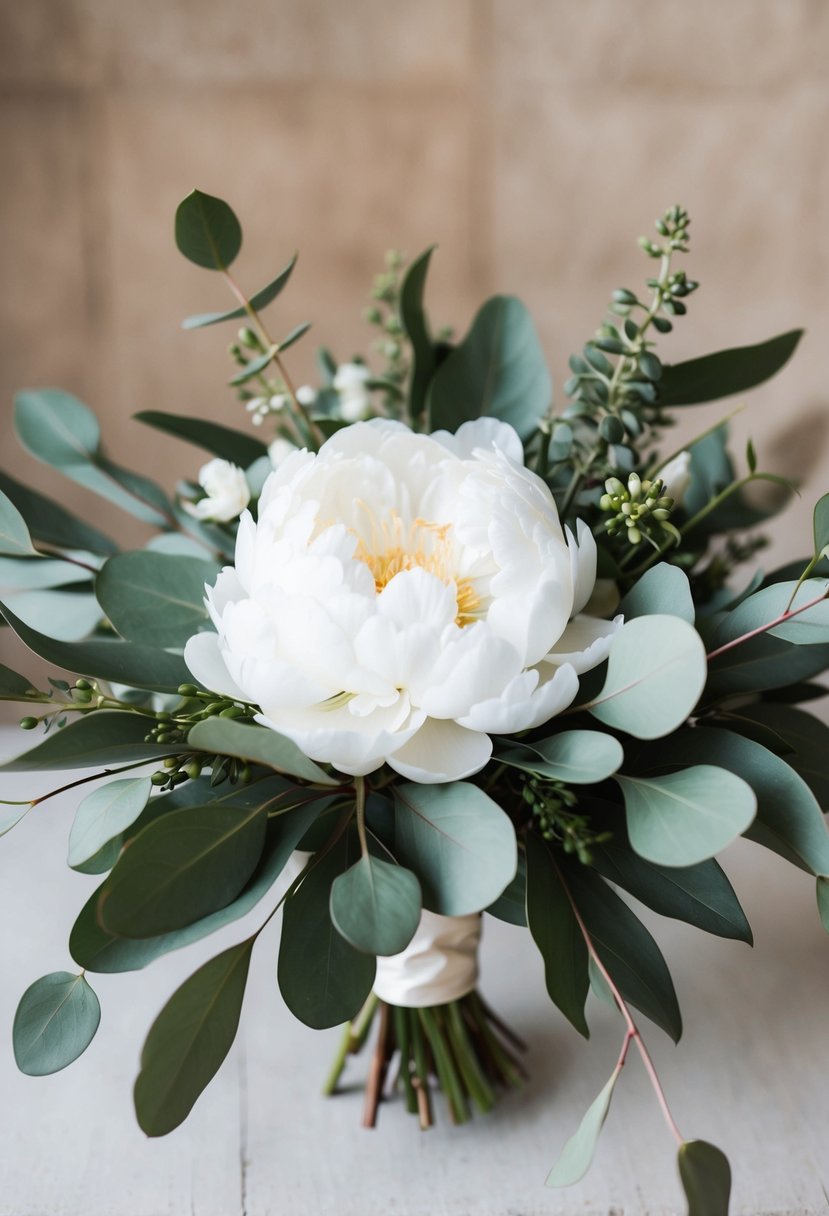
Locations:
(525, 703)
(585, 642)
(442, 751)
(482, 433)
(582, 564)
(204, 659)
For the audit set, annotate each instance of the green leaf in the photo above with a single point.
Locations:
(43, 573)
(767, 604)
(155, 598)
(224, 441)
(375, 905)
(663, 589)
(324, 981)
(299, 331)
(258, 302)
(14, 535)
(60, 430)
(627, 950)
(10, 815)
(207, 231)
(459, 843)
(788, 820)
(807, 737)
(727, 372)
(225, 737)
(577, 1154)
(761, 664)
(14, 687)
(510, 906)
(498, 370)
(180, 868)
(686, 817)
(55, 1022)
(120, 662)
(51, 523)
(93, 948)
(101, 738)
(189, 1040)
(706, 1178)
(254, 367)
(655, 674)
(821, 524)
(557, 935)
(104, 814)
(581, 757)
(700, 895)
(70, 616)
(415, 323)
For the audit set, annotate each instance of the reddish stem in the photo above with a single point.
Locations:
(753, 633)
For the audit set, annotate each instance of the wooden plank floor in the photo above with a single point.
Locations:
(751, 1074)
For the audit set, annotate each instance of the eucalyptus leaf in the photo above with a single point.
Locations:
(821, 524)
(207, 231)
(415, 323)
(498, 370)
(806, 736)
(323, 980)
(510, 906)
(93, 948)
(14, 687)
(706, 1178)
(458, 842)
(686, 817)
(700, 895)
(557, 935)
(180, 868)
(763, 663)
(155, 598)
(726, 372)
(14, 535)
(104, 814)
(44, 573)
(766, 605)
(100, 738)
(375, 906)
(822, 888)
(577, 1154)
(258, 301)
(580, 757)
(11, 815)
(662, 589)
(69, 616)
(224, 441)
(254, 366)
(55, 1022)
(655, 674)
(189, 1040)
(225, 737)
(120, 662)
(50, 522)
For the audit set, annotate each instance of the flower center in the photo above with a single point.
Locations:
(395, 547)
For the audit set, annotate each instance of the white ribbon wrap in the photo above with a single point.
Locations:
(440, 963)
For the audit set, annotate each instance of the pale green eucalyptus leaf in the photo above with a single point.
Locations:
(655, 674)
(44, 573)
(706, 1178)
(100, 738)
(258, 301)
(51, 523)
(821, 524)
(663, 589)
(55, 1022)
(375, 905)
(580, 757)
(766, 605)
(14, 687)
(14, 535)
(683, 818)
(577, 1154)
(67, 616)
(260, 744)
(104, 814)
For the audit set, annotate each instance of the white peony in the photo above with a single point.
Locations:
(280, 449)
(350, 381)
(401, 598)
(226, 492)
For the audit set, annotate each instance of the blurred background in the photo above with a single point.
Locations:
(533, 140)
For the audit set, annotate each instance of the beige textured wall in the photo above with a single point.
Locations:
(533, 139)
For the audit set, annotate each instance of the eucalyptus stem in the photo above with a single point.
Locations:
(788, 615)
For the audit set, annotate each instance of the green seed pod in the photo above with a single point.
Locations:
(159, 778)
(84, 684)
(83, 696)
(170, 762)
(28, 723)
(193, 770)
(188, 690)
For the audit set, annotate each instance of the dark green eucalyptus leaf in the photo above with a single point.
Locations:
(254, 366)
(498, 370)
(299, 331)
(416, 325)
(121, 662)
(577, 1154)
(655, 674)
(259, 301)
(700, 895)
(50, 522)
(225, 737)
(511, 904)
(224, 441)
(726, 372)
(680, 819)
(788, 820)
(55, 1022)
(96, 950)
(557, 935)
(375, 905)
(180, 868)
(822, 888)
(627, 950)
(706, 1178)
(14, 535)
(761, 664)
(189, 1040)
(821, 525)
(581, 757)
(458, 842)
(806, 737)
(100, 738)
(207, 231)
(14, 687)
(663, 589)
(324, 981)
(104, 814)
(155, 598)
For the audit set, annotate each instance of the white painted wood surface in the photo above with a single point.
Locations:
(751, 1074)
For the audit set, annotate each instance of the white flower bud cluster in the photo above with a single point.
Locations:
(351, 383)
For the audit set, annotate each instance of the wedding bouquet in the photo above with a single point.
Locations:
(436, 648)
